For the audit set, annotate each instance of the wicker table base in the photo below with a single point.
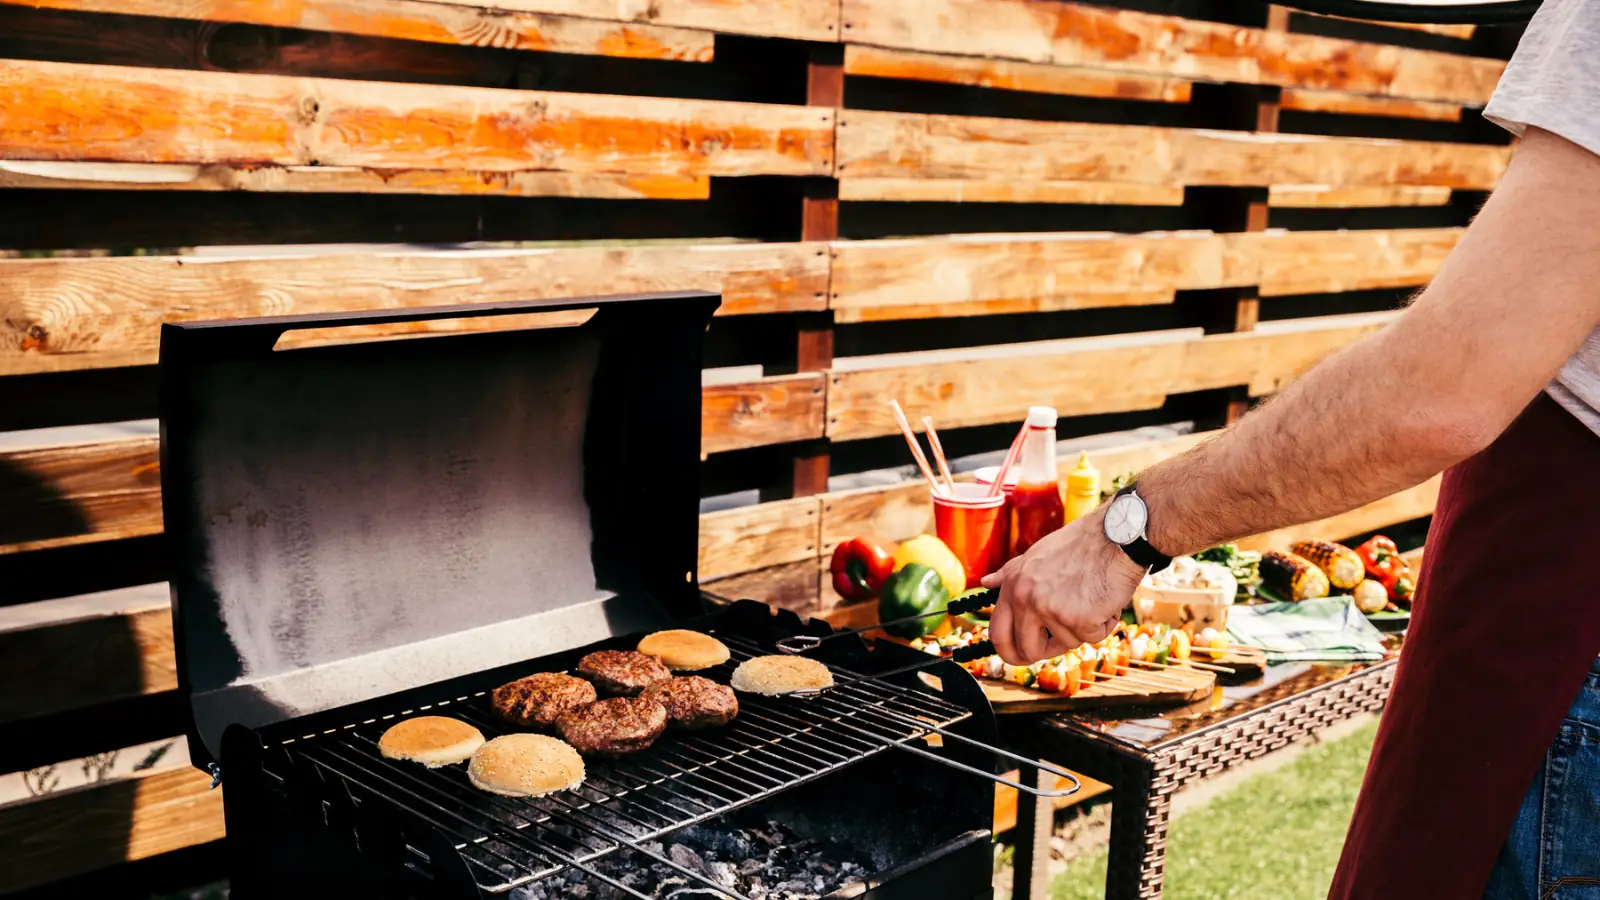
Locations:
(1147, 760)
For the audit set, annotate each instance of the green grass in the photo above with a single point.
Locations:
(1275, 837)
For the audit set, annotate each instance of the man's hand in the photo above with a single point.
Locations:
(1068, 589)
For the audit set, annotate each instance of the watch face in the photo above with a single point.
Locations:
(1125, 519)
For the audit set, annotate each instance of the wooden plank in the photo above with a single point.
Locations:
(433, 22)
(1065, 271)
(58, 835)
(911, 145)
(759, 536)
(902, 511)
(1082, 376)
(89, 660)
(1319, 196)
(67, 111)
(1073, 34)
(346, 180)
(77, 493)
(971, 190)
(770, 411)
(1412, 503)
(952, 309)
(1094, 379)
(1012, 75)
(1304, 100)
(1318, 262)
(68, 314)
(792, 586)
(812, 20)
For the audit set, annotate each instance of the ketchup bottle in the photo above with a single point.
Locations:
(1035, 508)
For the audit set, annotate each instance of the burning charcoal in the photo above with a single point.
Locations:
(684, 856)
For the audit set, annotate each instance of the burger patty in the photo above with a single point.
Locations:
(614, 727)
(539, 700)
(622, 673)
(693, 702)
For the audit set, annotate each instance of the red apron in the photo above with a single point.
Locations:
(1505, 628)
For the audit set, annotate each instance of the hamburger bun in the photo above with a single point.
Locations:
(685, 651)
(775, 675)
(433, 741)
(525, 765)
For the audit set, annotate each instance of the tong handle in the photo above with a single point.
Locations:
(973, 602)
(973, 651)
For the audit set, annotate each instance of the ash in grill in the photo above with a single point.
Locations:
(768, 861)
(364, 534)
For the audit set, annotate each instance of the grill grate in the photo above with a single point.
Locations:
(774, 744)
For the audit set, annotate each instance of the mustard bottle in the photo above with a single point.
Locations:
(1083, 488)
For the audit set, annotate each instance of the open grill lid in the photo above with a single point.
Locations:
(348, 521)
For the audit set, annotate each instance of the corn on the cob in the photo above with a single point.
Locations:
(1292, 576)
(1341, 564)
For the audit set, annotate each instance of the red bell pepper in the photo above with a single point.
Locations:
(1380, 557)
(861, 566)
(1401, 584)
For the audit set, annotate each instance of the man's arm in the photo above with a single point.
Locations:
(1513, 302)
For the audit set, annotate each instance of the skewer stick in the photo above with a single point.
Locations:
(938, 454)
(1188, 663)
(1011, 460)
(1130, 679)
(916, 448)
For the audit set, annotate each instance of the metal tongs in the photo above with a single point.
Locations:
(967, 604)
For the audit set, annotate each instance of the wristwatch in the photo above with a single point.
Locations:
(1126, 518)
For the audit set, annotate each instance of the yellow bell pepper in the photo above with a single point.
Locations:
(931, 552)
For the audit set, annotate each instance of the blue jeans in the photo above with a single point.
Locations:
(1553, 851)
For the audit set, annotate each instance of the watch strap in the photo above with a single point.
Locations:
(1140, 550)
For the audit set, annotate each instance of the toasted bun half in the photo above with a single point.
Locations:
(525, 765)
(774, 675)
(685, 651)
(433, 741)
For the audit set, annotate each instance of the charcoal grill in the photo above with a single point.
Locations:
(365, 532)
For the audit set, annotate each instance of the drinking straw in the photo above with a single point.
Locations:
(938, 454)
(916, 448)
(1011, 459)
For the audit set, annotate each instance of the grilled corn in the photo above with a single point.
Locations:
(1293, 576)
(1341, 564)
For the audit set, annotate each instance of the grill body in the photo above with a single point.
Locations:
(309, 810)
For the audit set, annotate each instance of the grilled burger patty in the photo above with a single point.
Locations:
(614, 727)
(622, 673)
(539, 700)
(693, 702)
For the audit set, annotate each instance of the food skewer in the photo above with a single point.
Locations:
(916, 448)
(938, 453)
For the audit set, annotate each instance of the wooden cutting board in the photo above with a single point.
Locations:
(1157, 686)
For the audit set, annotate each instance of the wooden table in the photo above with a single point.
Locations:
(1148, 755)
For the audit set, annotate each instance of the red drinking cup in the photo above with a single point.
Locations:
(973, 525)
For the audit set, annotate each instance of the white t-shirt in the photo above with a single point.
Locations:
(1553, 83)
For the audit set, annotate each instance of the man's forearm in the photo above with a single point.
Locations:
(1512, 303)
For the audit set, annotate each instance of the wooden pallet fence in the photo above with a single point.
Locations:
(69, 111)
(65, 314)
(1073, 34)
(911, 145)
(428, 21)
(1321, 196)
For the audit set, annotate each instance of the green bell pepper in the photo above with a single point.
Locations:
(912, 591)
